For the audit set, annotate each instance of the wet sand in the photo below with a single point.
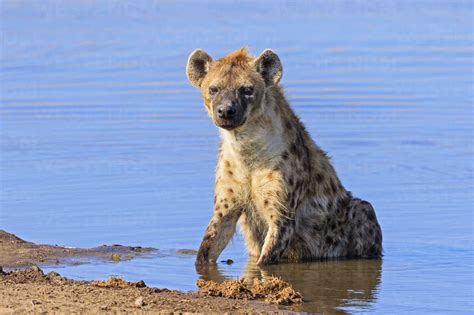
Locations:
(27, 289)
(18, 253)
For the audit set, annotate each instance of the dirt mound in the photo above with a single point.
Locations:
(273, 290)
(31, 275)
(234, 289)
(114, 282)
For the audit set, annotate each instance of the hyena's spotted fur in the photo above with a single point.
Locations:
(271, 177)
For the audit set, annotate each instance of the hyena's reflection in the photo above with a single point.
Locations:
(328, 287)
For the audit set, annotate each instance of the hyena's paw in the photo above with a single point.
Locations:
(267, 259)
(202, 257)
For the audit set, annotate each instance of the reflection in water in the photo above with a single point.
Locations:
(327, 286)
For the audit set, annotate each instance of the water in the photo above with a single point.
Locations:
(104, 141)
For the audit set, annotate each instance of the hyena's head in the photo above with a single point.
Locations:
(233, 87)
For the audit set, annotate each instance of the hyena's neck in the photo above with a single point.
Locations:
(262, 139)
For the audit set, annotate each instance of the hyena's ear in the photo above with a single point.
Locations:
(269, 66)
(198, 66)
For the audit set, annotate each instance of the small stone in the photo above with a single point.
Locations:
(139, 302)
(54, 277)
(116, 257)
(36, 270)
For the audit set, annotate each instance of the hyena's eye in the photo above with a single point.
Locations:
(213, 90)
(247, 90)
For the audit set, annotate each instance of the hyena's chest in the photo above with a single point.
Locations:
(254, 175)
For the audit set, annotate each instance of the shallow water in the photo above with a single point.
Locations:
(104, 141)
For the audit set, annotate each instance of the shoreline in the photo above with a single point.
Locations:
(26, 289)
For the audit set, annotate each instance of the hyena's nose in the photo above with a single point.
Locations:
(226, 112)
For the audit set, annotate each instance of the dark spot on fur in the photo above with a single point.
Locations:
(305, 164)
(344, 202)
(226, 206)
(284, 155)
(230, 190)
(265, 202)
(319, 177)
(288, 125)
(230, 173)
(330, 204)
(329, 240)
(293, 149)
(371, 216)
(219, 214)
(290, 181)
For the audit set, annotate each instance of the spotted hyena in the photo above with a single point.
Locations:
(271, 177)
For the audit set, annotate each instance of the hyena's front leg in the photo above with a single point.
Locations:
(276, 241)
(272, 200)
(218, 233)
(227, 211)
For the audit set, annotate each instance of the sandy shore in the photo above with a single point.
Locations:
(26, 289)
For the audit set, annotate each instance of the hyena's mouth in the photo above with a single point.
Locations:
(230, 124)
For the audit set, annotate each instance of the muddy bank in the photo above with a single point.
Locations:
(18, 253)
(24, 287)
(31, 291)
